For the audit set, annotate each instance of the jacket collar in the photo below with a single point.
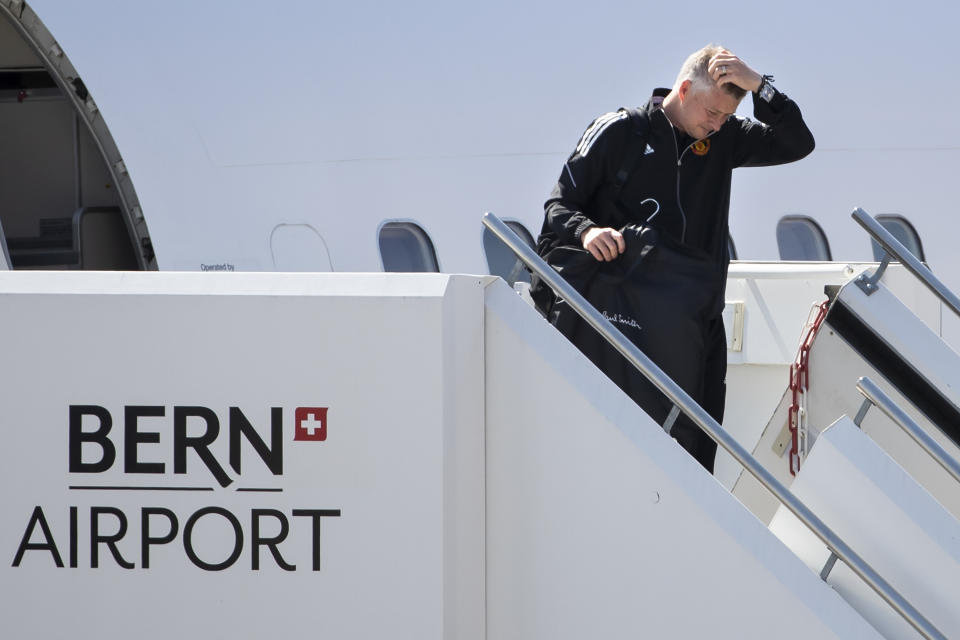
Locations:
(656, 100)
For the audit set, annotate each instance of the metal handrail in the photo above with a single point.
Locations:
(710, 426)
(882, 401)
(895, 248)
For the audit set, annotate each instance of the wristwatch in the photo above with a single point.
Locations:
(766, 90)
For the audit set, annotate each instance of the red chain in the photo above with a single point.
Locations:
(799, 383)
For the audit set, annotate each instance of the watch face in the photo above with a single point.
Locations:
(766, 91)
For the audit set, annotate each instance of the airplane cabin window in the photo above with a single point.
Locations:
(4, 252)
(61, 205)
(731, 248)
(801, 238)
(501, 260)
(902, 230)
(406, 248)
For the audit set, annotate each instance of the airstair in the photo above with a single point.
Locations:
(886, 481)
(422, 456)
(868, 331)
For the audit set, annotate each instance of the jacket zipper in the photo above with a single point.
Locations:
(676, 147)
(683, 215)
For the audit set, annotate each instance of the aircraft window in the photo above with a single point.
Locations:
(731, 248)
(801, 238)
(4, 252)
(902, 230)
(500, 258)
(406, 248)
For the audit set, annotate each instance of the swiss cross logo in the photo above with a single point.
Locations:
(311, 423)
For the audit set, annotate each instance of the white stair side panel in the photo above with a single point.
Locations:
(395, 360)
(835, 368)
(599, 525)
(753, 394)
(910, 337)
(462, 431)
(888, 519)
(748, 489)
(912, 293)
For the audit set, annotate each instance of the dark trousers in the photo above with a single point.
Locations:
(714, 396)
(664, 297)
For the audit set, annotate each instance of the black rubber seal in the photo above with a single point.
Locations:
(892, 366)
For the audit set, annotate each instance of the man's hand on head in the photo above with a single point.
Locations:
(726, 67)
(603, 243)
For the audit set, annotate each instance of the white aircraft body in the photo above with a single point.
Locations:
(284, 138)
(481, 479)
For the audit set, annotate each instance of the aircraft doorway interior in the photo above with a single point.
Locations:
(60, 204)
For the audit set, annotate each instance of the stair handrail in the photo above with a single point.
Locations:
(894, 248)
(875, 396)
(698, 414)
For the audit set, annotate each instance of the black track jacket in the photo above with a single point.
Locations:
(690, 184)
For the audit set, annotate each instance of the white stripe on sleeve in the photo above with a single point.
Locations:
(598, 127)
(567, 167)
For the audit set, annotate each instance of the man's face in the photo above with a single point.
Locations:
(704, 111)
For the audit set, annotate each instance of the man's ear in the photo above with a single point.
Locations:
(683, 90)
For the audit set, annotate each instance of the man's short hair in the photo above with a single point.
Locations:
(695, 70)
